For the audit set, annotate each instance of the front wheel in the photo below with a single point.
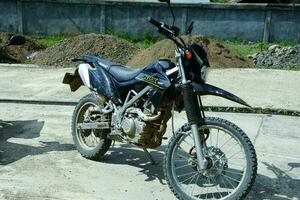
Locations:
(231, 158)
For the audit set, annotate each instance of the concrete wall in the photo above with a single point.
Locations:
(247, 21)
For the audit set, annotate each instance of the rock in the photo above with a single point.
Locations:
(291, 51)
(277, 57)
(273, 47)
(253, 56)
(32, 55)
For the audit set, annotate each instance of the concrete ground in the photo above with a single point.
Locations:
(38, 159)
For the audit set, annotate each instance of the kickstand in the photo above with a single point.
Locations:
(150, 158)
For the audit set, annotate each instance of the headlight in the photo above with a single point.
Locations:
(204, 72)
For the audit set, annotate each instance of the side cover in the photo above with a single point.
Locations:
(95, 78)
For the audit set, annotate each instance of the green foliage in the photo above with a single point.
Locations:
(245, 48)
(146, 41)
(49, 41)
(142, 42)
(296, 68)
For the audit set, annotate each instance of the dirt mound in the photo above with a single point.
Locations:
(18, 53)
(219, 55)
(106, 46)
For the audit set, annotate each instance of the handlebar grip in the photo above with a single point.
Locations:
(154, 22)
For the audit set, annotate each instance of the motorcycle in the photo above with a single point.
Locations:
(14, 40)
(207, 158)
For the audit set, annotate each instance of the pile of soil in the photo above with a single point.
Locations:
(17, 53)
(218, 55)
(105, 46)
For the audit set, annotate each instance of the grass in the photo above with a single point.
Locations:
(296, 68)
(146, 41)
(49, 41)
(246, 48)
(142, 42)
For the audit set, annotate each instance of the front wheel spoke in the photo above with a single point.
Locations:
(212, 193)
(232, 156)
(182, 156)
(219, 192)
(196, 182)
(187, 143)
(207, 189)
(188, 178)
(182, 175)
(180, 160)
(231, 178)
(231, 147)
(225, 143)
(183, 166)
(222, 180)
(228, 181)
(187, 187)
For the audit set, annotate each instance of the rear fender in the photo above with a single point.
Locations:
(74, 80)
(79, 77)
(206, 89)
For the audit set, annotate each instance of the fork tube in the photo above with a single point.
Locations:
(193, 118)
(191, 111)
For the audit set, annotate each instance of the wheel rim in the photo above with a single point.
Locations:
(227, 160)
(88, 139)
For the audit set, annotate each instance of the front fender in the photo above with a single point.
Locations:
(206, 89)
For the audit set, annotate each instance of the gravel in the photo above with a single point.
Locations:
(277, 57)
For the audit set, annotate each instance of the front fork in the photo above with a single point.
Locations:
(192, 111)
(194, 118)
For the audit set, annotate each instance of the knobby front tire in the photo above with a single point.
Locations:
(182, 190)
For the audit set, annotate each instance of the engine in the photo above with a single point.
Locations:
(145, 127)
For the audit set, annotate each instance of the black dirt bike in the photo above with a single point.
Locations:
(207, 158)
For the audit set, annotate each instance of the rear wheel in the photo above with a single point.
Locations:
(91, 144)
(232, 163)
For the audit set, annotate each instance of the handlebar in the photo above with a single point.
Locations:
(155, 22)
(170, 33)
(162, 28)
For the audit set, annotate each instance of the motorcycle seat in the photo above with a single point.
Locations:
(122, 73)
(119, 72)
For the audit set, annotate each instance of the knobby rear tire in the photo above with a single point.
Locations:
(102, 147)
